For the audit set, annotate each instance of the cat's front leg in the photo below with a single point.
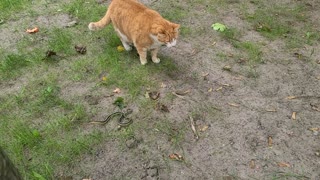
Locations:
(143, 55)
(126, 46)
(154, 57)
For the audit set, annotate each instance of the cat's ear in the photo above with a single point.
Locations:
(176, 27)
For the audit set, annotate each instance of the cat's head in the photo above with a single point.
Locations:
(168, 34)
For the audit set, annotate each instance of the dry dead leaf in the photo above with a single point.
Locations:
(204, 74)
(182, 92)
(291, 97)
(233, 104)
(80, 49)
(293, 116)
(117, 90)
(219, 88)
(227, 85)
(176, 156)
(163, 85)
(239, 78)
(314, 129)
(315, 107)
(270, 141)
(193, 127)
(34, 30)
(283, 164)
(162, 107)
(203, 128)
(154, 95)
(50, 53)
(227, 68)
(252, 164)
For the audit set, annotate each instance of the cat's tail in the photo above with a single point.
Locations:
(100, 24)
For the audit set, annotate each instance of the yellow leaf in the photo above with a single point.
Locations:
(120, 48)
(104, 78)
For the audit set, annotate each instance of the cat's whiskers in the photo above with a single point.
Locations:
(172, 43)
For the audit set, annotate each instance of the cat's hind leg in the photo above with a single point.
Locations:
(124, 40)
(126, 45)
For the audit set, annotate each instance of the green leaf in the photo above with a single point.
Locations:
(119, 102)
(38, 176)
(219, 27)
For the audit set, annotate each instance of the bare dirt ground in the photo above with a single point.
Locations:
(242, 117)
(249, 127)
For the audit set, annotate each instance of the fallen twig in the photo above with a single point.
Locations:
(193, 127)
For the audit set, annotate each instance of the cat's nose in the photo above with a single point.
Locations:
(172, 43)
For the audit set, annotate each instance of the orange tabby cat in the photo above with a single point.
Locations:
(140, 26)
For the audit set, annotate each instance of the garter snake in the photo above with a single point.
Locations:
(122, 121)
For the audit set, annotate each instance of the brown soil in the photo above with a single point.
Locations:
(241, 112)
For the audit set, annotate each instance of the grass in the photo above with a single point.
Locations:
(43, 127)
(43, 132)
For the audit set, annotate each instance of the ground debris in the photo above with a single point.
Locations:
(227, 68)
(252, 164)
(233, 104)
(291, 97)
(193, 127)
(50, 53)
(204, 128)
(315, 131)
(154, 95)
(32, 31)
(270, 141)
(293, 116)
(175, 156)
(182, 92)
(71, 24)
(315, 107)
(80, 49)
(161, 107)
(283, 164)
(117, 91)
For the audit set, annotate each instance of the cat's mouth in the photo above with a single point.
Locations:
(172, 43)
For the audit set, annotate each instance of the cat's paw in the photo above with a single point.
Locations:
(92, 27)
(143, 62)
(156, 60)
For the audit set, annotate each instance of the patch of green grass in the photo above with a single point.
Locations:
(252, 50)
(231, 34)
(11, 65)
(174, 132)
(41, 148)
(280, 21)
(87, 10)
(8, 7)
(61, 42)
